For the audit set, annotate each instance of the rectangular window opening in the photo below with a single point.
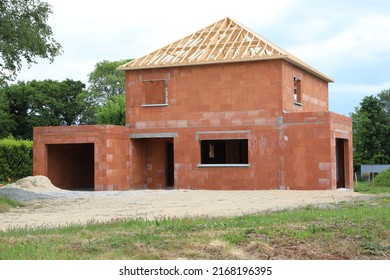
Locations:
(297, 91)
(156, 92)
(224, 152)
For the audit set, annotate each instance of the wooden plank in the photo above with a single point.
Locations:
(234, 42)
(191, 47)
(213, 42)
(243, 39)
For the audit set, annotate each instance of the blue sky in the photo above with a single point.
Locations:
(344, 39)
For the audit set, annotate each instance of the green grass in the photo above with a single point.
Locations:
(6, 203)
(367, 187)
(358, 230)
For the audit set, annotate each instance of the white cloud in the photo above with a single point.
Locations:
(344, 98)
(363, 89)
(365, 41)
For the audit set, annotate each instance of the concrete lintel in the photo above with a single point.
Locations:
(202, 165)
(221, 132)
(153, 135)
(341, 131)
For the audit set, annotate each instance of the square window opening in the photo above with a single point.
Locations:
(155, 92)
(224, 151)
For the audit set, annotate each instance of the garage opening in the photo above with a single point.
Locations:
(71, 166)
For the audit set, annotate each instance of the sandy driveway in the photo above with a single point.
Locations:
(82, 207)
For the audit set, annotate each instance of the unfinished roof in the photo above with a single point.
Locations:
(225, 41)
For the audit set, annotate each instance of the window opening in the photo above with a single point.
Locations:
(224, 151)
(297, 91)
(156, 92)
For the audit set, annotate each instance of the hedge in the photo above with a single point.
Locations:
(16, 159)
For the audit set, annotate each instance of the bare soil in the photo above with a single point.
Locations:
(60, 208)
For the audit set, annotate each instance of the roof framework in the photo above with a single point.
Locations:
(224, 41)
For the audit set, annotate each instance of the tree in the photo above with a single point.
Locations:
(24, 34)
(6, 121)
(106, 81)
(18, 99)
(371, 132)
(57, 103)
(384, 98)
(45, 103)
(114, 112)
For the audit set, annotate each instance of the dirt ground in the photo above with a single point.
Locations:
(83, 207)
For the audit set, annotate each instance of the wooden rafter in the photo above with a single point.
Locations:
(223, 41)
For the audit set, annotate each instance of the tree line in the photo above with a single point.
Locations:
(25, 105)
(26, 36)
(371, 130)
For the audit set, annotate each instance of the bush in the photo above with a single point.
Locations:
(383, 179)
(15, 158)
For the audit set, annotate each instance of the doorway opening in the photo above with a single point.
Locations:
(159, 161)
(71, 166)
(169, 165)
(340, 162)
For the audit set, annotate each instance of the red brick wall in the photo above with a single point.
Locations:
(111, 151)
(261, 174)
(212, 95)
(314, 90)
(286, 151)
(341, 127)
(155, 163)
(137, 165)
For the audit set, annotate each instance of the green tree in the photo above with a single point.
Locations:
(57, 103)
(45, 103)
(384, 98)
(114, 112)
(6, 122)
(24, 35)
(106, 81)
(19, 100)
(371, 130)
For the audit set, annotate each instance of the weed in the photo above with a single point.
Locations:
(6, 203)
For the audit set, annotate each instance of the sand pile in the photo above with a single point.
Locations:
(37, 184)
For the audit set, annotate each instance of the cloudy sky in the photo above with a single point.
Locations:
(348, 40)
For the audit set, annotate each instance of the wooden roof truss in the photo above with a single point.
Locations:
(222, 42)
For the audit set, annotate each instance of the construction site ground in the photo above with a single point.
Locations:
(50, 206)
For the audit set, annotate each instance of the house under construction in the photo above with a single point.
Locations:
(222, 108)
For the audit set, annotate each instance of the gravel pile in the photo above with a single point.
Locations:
(31, 188)
(40, 187)
(22, 195)
(37, 184)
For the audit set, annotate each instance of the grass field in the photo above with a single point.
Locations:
(358, 230)
(367, 187)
